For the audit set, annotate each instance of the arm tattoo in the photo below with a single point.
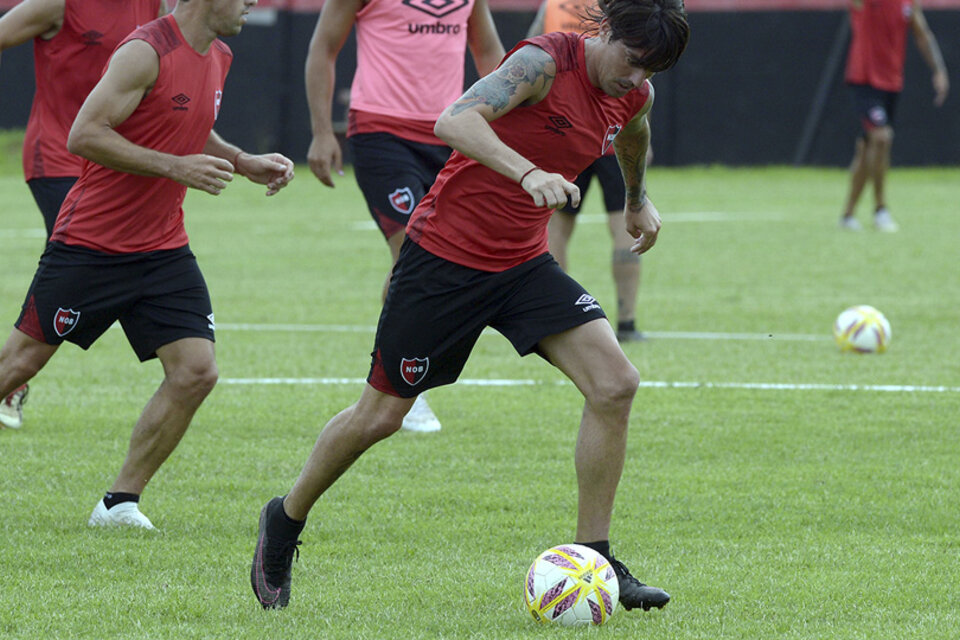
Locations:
(632, 153)
(528, 65)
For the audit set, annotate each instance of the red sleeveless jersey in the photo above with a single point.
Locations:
(878, 44)
(66, 67)
(478, 218)
(118, 212)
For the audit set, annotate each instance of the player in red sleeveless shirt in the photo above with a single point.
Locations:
(875, 74)
(410, 58)
(476, 256)
(119, 250)
(72, 40)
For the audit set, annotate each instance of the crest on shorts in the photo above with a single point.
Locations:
(413, 370)
(65, 321)
(402, 200)
(612, 132)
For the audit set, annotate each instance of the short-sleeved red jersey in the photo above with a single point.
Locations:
(118, 212)
(878, 44)
(66, 67)
(478, 218)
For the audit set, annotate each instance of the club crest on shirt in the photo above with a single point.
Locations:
(65, 321)
(217, 97)
(402, 200)
(612, 132)
(414, 369)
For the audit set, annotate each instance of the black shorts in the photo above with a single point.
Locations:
(875, 107)
(435, 311)
(607, 170)
(394, 175)
(77, 293)
(49, 194)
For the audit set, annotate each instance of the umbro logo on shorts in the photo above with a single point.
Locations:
(588, 302)
(65, 321)
(413, 370)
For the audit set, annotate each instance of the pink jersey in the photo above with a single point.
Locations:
(410, 57)
(478, 218)
(66, 68)
(878, 44)
(117, 212)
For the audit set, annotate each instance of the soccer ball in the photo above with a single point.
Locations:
(862, 329)
(572, 585)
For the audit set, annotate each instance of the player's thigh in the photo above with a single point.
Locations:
(591, 357)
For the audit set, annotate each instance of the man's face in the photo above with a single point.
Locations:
(229, 16)
(619, 68)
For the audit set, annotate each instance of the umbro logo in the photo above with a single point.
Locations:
(557, 124)
(587, 302)
(437, 8)
(181, 101)
(91, 37)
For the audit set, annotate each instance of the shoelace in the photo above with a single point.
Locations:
(277, 562)
(623, 573)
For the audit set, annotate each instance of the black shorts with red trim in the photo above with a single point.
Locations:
(436, 310)
(875, 107)
(49, 194)
(607, 170)
(77, 293)
(394, 174)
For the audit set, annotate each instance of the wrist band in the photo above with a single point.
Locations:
(528, 172)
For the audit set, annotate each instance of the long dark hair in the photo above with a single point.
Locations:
(658, 28)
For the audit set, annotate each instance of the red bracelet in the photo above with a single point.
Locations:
(529, 171)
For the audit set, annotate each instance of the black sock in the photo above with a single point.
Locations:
(626, 326)
(601, 546)
(110, 500)
(282, 525)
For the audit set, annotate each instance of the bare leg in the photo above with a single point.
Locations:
(560, 230)
(344, 439)
(190, 373)
(858, 178)
(626, 269)
(590, 356)
(879, 144)
(20, 359)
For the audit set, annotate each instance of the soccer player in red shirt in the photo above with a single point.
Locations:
(119, 250)
(72, 40)
(410, 59)
(875, 75)
(476, 256)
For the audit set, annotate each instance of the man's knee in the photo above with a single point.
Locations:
(196, 378)
(881, 136)
(616, 392)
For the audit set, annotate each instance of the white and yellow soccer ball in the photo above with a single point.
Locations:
(571, 584)
(862, 329)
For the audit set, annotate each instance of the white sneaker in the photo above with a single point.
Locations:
(11, 409)
(421, 417)
(883, 221)
(849, 223)
(125, 514)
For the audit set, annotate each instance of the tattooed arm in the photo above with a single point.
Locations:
(640, 216)
(524, 78)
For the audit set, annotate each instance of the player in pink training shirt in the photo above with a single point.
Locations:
(476, 256)
(410, 59)
(875, 75)
(119, 250)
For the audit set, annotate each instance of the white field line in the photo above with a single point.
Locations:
(668, 218)
(644, 384)
(668, 335)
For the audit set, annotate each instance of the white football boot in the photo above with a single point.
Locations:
(125, 514)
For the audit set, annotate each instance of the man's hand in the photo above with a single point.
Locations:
(941, 87)
(550, 189)
(204, 172)
(271, 169)
(323, 156)
(644, 225)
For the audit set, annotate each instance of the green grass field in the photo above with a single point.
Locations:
(770, 486)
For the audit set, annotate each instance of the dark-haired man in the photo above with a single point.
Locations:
(476, 256)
